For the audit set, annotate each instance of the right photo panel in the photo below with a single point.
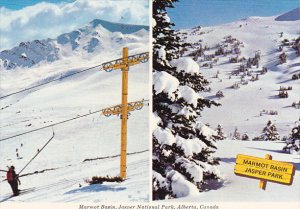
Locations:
(226, 101)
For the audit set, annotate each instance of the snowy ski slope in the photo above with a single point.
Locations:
(94, 136)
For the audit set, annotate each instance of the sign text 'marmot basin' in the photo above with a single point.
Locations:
(266, 169)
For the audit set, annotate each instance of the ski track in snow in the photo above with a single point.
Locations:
(66, 187)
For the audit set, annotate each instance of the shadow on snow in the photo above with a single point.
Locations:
(270, 150)
(97, 188)
(228, 160)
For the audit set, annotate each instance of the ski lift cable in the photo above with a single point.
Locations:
(66, 76)
(51, 125)
(53, 134)
(42, 84)
(86, 160)
(52, 137)
(55, 124)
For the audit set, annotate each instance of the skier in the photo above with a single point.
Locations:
(13, 180)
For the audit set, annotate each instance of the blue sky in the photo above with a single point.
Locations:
(27, 20)
(19, 4)
(190, 13)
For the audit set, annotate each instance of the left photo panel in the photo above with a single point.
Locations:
(74, 101)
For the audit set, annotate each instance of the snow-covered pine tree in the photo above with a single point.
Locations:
(245, 137)
(220, 133)
(293, 141)
(295, 133)
(236, 134)
(269, 132)
(182, 145)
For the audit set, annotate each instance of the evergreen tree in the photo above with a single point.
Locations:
(220, 133)
(295, 133)
(270, 133)
(245, 137)
(282, 58)
(236, 134)
(182, 144)
(293, 141)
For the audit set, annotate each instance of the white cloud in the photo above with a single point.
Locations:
(47, 20)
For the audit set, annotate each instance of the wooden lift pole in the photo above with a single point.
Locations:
(124, 63)
(124, 115)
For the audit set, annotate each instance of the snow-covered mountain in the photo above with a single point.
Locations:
(97, 35)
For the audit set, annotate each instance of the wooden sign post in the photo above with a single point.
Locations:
(264, 169)
(263, 183)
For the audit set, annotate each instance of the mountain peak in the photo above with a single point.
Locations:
(292, 15)
(117, 27)
(95, 36)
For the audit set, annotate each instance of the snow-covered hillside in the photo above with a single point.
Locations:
(97, 36)
(61, 163)
(252, 64)
(225, 51)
